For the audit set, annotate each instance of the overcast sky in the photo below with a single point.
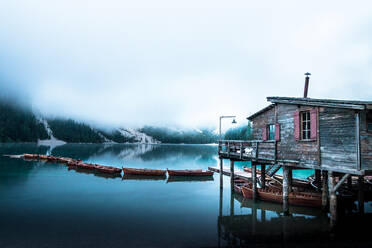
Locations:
(181, 63)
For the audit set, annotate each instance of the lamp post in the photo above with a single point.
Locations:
(227, 116)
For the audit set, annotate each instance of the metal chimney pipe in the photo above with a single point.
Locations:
(307, 79)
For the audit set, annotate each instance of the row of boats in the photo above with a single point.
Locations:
(76, 163)
(298, 196)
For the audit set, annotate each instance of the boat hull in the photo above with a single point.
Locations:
(194, 173)
(276, 196)
(145, 172)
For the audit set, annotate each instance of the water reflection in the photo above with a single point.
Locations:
(51, 206)
(94, 173)
(173, 179)
(143, 177)
(260, 222)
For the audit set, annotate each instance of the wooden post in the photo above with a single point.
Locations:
(221, 173)
(232, 174)
(232, 203)
(350, 182)
(361, 194)
(241, 150)
(263, 176)
(332, 199)
(317, 178)
(324, 190)
(285, 190)
(254, 181)
(254, 219)
(263, 215)
(290, 179)
(228, 148)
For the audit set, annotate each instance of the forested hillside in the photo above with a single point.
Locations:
(18, 124)
(166, 135)
(239, 133)
(74, 132)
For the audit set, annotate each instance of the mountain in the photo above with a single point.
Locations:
(175, 136)
(20, 124)
(243, 132)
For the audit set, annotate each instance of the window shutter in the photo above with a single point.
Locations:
(296, 118)
(264, 133)
(313, 123)
(277, 131)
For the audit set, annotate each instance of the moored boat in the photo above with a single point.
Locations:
(43, 157)
(305, 199)
(238, 184)
(30, 156)
(85, 166)
(147, 172)
(189, 173)
(294, 198)
(107, 169)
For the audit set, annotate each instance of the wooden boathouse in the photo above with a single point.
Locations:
(333, 137)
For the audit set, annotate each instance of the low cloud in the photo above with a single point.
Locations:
(115, 63)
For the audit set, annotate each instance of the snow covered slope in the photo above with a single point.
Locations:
(137, 136)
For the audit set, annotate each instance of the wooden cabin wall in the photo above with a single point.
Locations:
(337, 128)
(288, 148)
(260, 121)
(365, 143)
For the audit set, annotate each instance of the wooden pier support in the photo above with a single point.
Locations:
(232, 207)
(263, 176)
(254, 181)
(290, 179)
(221, 174)
(332, 199)
(361, 194)
(324, 190)
(317, 178)
(285, 190)
(349, 183)
(232, 176)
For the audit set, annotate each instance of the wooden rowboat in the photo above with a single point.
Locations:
(146, 172)
(30, 156)
(295, 198)
(85, 166)
(269, 195)
(239, 183)
(43, 157)
(107, 169)
(305, 199)
(198, 173)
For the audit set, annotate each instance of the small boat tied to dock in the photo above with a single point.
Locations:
(193, 173)
(79, 164)
(144, 172)
(301, 194)
(70, 162)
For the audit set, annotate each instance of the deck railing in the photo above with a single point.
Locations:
(248, 149)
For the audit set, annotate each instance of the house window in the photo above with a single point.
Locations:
(305, 125)
(271, 132)
(369, 120)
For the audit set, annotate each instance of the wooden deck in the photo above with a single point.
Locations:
(237, 174)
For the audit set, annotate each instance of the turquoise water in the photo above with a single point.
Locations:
(47, 205)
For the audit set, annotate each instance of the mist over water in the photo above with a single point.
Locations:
(117, 63)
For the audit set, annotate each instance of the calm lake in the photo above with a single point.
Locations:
(47, 205)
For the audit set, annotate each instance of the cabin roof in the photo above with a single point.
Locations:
(348, 104)
(261, 111)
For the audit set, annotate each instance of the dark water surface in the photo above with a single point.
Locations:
(47, 205)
